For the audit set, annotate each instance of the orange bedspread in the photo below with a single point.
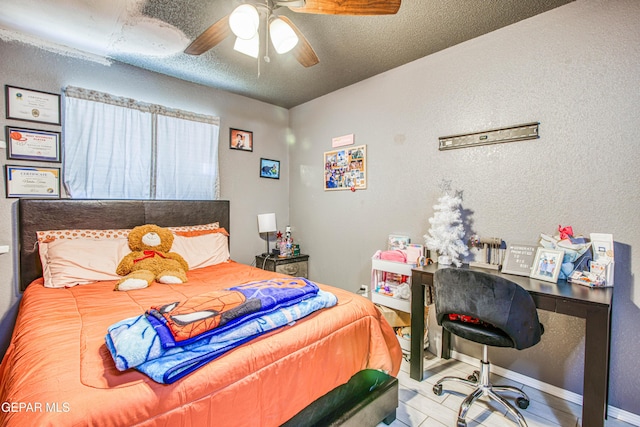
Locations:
(57, 370)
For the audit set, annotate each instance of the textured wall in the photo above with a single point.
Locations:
(573, 69)
(249, 195)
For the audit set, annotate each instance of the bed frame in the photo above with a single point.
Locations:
(367, 399)
(60, 214)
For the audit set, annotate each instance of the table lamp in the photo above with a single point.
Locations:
(267, 224)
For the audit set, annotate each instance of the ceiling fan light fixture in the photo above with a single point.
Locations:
(244, 21)
(249, 47)
(283, 37)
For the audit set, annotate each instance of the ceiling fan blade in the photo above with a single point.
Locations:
(210, 37)
(350, 7)
(303, 52)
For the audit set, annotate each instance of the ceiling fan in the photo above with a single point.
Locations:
(244, 22)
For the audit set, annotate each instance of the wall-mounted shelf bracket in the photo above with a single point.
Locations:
(494, 136)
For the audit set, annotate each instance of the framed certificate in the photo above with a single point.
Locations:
(23, 181)
(31, 144)
(32, 105)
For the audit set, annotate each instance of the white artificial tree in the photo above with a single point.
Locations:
(447, 230)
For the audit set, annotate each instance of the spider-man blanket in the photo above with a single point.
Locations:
(181, 323)
(133, 342)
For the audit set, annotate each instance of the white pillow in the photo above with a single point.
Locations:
(74, 262)
(71, 262)
(202, 251)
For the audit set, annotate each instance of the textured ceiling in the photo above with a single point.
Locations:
(152, 34)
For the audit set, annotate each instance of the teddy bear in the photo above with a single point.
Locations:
(150, 259)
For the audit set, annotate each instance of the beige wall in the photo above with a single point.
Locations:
(249, 195)
(576, 70)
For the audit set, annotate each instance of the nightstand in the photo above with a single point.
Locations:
(297, 265)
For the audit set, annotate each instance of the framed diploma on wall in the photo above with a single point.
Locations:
(32, 105)
(34, 182)
(31, 144)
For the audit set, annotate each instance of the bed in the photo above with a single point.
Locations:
(335, 366)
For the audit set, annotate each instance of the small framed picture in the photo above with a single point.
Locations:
(269, 168)
(240, 140)
(32, 105)
(519, 259)
(547, 264)
(31, 144)
(27, 181)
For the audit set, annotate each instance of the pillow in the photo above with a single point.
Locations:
(120, 233)
(195, 230)
(203, 250)
(51, 235)
(79, 257)
(71, 262)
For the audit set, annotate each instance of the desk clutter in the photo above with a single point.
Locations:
(575, 258)
(285, 246)
(565, 256)
(596, 270)
(391, 285)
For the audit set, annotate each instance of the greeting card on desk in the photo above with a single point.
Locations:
(602, 245)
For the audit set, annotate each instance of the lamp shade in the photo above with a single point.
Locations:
(282, 36)
(244, 21)
(267, 223)
(249, 47)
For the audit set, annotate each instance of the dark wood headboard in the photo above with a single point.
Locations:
(60, 214)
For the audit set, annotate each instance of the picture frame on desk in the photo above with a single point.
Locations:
(547, 264)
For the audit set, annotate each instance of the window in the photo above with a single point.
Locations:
(118, 148)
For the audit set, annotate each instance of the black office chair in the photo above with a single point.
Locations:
(490, 310)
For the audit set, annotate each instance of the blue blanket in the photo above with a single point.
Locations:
(182, 323)
(135, 343)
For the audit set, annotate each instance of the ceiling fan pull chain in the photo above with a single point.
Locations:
(266, 32)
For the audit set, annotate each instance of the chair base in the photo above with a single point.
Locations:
(480, 381)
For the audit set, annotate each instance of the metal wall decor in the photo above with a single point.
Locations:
(494, 136)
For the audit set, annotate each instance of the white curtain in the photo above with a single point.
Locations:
(107, 150)
(187, 159)
(119, 148)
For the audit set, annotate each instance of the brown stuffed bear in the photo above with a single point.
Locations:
(150, 259)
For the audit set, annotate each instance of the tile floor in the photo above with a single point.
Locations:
(419, 407)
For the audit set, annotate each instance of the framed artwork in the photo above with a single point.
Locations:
(346, 169)
(31, 144)
(519, 259)
(24, 181)
(269, 168)
(547, 264)
(240, 140)
(32, 105)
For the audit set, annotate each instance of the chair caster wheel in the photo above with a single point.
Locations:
(461, 423)
(522, 403)
(437, 389)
